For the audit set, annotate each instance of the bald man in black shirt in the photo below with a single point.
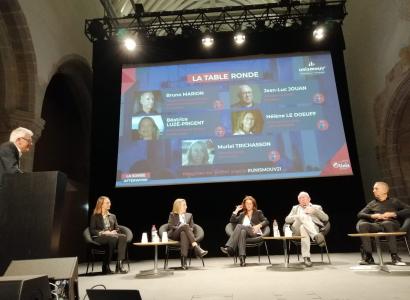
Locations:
(381, 214)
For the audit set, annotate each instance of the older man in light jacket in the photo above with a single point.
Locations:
(307, 219)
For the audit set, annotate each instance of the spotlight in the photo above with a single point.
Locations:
(130, 44)
(96, 29)
(190, 31)
(293, 24)
(239, 38)
(170, 32)
(207, 41)
(319, 33)
(260, 25)
(277, 27)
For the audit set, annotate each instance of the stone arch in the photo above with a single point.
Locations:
(18, 75)
(392, 112)
(69, 90)
(79, 73)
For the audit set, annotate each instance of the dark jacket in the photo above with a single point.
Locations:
(9, 159)
(173, 222)
(257, 218)
(97, 224)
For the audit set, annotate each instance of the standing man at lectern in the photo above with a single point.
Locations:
(10, 152)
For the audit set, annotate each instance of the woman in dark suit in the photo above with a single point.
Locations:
(249, 223)
(181, 228)
(104, 230)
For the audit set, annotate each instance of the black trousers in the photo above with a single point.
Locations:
(385, 226)
(113, 242)
(238, 238)
(185, 235)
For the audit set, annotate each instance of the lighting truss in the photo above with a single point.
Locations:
(275, 16)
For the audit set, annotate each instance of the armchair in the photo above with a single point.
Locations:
(324, 230)
(251, 242)
(95, 249)
(199, 236)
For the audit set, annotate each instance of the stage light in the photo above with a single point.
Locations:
(260, 25)
(130, 44)
(170, 32)
(239, 38)
(279, 15)
(128, 39)
(278, 26)
(207, 41)
(190, 31)
(97, 30)
(319, 33)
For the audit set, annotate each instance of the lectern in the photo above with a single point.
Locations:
(31, 209)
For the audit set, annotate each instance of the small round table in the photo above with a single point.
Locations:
(155, 272)
(376, 236)
(286, 266)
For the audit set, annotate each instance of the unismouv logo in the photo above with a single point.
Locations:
(312, 69)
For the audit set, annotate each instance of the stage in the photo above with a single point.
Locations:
(221, 279)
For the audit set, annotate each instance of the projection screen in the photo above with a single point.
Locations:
(239, 119)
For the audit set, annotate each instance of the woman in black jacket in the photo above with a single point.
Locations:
(104, 230)
(249, 223)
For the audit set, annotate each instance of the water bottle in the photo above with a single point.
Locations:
(276, 232)
(154, 234)
(287, 230)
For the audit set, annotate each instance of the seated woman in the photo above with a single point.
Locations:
(180, 228)
(249, 223)
(104, 230)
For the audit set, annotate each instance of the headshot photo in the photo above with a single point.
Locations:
(197, 152)
(146, 103)
(244, 96)
(247, 122)
(147, 128)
